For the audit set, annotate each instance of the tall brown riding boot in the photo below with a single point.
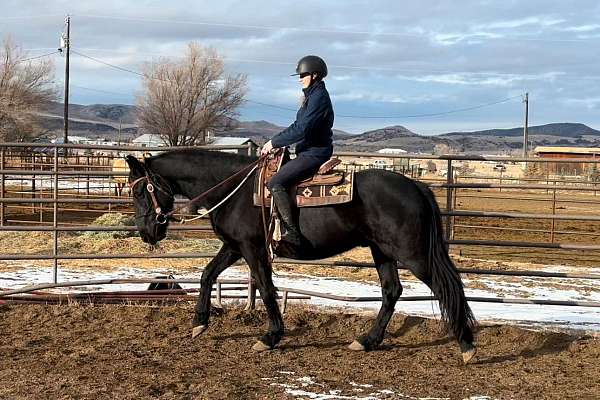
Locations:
(284, 207)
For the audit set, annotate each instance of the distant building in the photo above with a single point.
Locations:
(102, 142)
(71, 139)
(392, 151)
(151, 140)
(574, 168)
(235, 141)
(148, 140)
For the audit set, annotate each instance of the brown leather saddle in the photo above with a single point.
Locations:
(327, 186)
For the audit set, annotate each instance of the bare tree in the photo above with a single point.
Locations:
(25, 86)
(184, 99)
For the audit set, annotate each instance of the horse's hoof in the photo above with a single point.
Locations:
(469, 354)
(198, 330)
(260, 346)
(356, 346)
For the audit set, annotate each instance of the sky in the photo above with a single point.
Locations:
(431, 66)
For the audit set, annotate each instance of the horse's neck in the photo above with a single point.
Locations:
(191, 178)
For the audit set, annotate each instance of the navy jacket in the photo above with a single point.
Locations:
(312, 129)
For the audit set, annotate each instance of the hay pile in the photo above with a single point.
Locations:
(112, 219)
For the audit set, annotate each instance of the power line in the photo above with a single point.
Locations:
(101, 91)
(429, 36)
(247, 26)
(419, 70)
(272, 105)
(111, 65)
(36, 57)
(32, 16)
(458, 110)
(40, 48)
(318, 30)
(338, 115)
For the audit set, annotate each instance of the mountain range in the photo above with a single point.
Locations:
(118, 122)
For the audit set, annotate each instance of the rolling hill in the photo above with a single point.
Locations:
(104, 120)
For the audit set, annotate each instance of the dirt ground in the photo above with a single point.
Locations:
(133, 352)
(127, 352)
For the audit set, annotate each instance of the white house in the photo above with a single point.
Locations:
(392, 150)
(235, 141)
(72, 139)
(152, 140)
(148, 140)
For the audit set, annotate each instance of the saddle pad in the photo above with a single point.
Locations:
(332, 178)
(335, 189)
(325, 194)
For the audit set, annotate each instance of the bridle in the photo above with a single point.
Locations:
(162, 218)
(151, 187)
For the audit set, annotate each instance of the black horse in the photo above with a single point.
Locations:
(396, 217)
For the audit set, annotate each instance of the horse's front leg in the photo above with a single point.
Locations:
(257, 259)
(224, 259)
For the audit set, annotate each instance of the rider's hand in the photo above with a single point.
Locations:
(266, 148)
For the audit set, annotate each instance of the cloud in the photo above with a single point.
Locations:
(385, 58)
(449, 39)
(485, 79)
(583, 28)
(591, 103)
(541, 21)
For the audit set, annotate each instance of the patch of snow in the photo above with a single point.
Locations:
(307, 381)
(359, 385)
(322, 396)
(529, 315)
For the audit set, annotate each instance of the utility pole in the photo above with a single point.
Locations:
(525, 126)
(67, 45)
(119, 137)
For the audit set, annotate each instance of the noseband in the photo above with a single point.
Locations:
(161, 218)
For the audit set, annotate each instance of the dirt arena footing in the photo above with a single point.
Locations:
(139, 352)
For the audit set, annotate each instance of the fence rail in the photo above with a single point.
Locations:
(55, 172)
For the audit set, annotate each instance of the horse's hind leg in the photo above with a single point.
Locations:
(462, 332)
(256, 257)
(391, 289)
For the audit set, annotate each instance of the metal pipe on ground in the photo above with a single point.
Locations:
(11, 294)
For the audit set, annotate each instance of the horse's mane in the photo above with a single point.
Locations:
(202, 155)
(200, 162)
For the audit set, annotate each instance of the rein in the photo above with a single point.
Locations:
(162, 218)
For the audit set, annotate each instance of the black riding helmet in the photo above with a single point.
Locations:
(311, 65)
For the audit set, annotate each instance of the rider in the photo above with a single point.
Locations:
(312, 134)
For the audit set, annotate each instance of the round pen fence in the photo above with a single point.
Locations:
(40, 185)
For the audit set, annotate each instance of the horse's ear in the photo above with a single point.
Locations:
(135, 166)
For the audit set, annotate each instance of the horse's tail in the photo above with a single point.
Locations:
(445, 279)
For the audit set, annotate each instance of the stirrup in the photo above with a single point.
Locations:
(292, 236)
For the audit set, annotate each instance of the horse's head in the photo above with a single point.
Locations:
(153, 200)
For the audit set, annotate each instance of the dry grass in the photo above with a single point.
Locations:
(41, 243)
